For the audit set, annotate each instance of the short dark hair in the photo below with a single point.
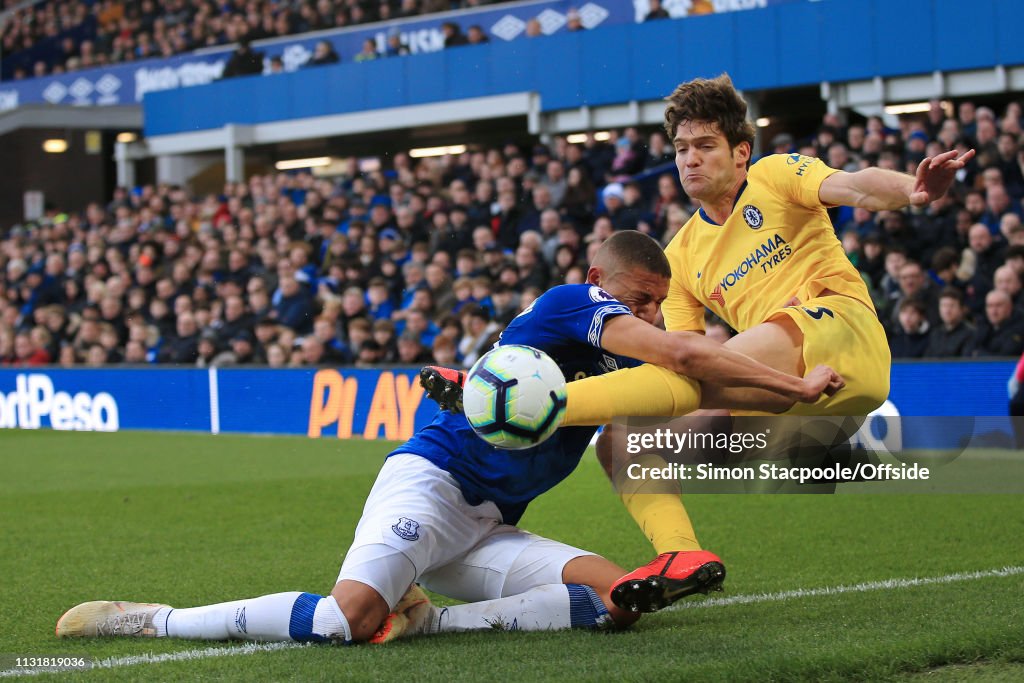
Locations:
(714, 100)
(945, 257)
(915, 303)
(634, 249)
(476, 311)
(952, 293)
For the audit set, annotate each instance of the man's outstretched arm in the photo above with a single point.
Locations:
(705, 360)
(877, 189)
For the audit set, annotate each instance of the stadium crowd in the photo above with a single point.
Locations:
(427, 259)
(67, 35)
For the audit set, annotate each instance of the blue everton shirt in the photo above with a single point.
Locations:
(566, 323)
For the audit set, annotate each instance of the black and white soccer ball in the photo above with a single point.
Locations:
(514, 397)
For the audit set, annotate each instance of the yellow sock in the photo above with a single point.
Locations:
(657, 509)
(645, 391)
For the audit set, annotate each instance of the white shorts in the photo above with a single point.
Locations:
(417, 526)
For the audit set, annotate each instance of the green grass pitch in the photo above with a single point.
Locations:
(195, 519)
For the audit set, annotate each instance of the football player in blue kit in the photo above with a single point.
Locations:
(443, 510)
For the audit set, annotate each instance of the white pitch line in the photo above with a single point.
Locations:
(888, 584)
(251, 648)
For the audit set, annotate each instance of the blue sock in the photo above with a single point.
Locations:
(586, 609)
(300, 627)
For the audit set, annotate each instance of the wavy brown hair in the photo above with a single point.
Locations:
(714, 100)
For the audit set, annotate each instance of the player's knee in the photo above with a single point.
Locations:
(363, 607)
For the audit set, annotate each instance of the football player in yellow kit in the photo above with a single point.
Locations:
(762, 254)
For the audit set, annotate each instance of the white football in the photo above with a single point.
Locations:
(514, 397)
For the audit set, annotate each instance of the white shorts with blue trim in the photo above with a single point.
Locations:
(416, 526)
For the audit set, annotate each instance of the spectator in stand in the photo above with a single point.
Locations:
(207, 349)
(1002, 331)
(911, 337)
(656, 11)
(980, 261)
(293, 308)
(236, 319)
(334, 350)
(453, 36)
(954, 336)
(658, 153)
(159, 248)
(626, 161)
(1007, 280)
(839, 157)
(384, 335)
(475, 35)
(914, 284)
(481, 333)
(370, 355)
(573, 21)
(532, 273)
(26, 353)
(379, 305)
(863, 223)
(540, 202)
(872, 263)
(1015, 259)
(394, 46)
(368, 51)
(244, 351)
(411, 350)
(997, 205)
(444, 352)
(1011, 229)
(945, 266)
(276, 356)
(310, 353)
(579, 201)
(323, 54)
(418, 323)
(782, 144)
(613, 197)
(183, 348)
(633, 213)
(244, 61)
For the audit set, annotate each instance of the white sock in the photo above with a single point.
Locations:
(544, 608)
(330, 622)
(279, 617)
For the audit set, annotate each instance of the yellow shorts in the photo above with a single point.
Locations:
(844, 334)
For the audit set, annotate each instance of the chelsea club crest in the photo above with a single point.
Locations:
(752, 215)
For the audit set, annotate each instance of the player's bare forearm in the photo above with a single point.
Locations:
(702, 359)
(877, 189)
(706, 360)
(874, 189)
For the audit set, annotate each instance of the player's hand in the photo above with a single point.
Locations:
(821, 380)
(936, 174)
